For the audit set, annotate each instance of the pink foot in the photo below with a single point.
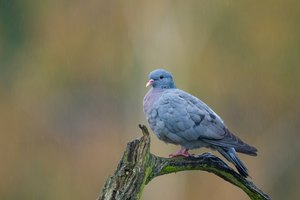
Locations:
(180, 152)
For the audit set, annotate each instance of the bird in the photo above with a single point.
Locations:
(179, 118)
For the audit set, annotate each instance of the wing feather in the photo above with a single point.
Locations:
(188, 117)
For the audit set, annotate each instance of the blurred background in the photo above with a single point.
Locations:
(72, 80)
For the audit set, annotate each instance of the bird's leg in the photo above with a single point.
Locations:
(181, 152)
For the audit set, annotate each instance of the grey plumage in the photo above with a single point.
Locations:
(179, 118)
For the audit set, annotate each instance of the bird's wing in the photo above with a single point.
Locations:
(188, 117)
(191, 119)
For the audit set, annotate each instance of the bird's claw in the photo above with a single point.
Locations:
(181, 152)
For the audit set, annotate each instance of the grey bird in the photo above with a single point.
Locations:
(179, 118)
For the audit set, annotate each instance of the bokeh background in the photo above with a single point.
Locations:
(72, 80)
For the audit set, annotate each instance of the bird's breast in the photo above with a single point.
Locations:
(150, 98)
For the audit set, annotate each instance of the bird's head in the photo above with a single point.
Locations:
(161, 78)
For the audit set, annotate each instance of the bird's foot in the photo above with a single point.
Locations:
(180, 152)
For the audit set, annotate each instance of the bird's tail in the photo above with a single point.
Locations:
(231, 156)
(246, 149)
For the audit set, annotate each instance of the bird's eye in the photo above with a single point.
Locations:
(161, 77)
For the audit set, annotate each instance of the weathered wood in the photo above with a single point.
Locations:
(138, 167)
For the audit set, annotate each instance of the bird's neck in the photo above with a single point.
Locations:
(170, 86)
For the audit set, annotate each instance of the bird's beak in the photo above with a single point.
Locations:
(150, 82)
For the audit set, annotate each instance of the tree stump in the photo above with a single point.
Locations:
(138, 167)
